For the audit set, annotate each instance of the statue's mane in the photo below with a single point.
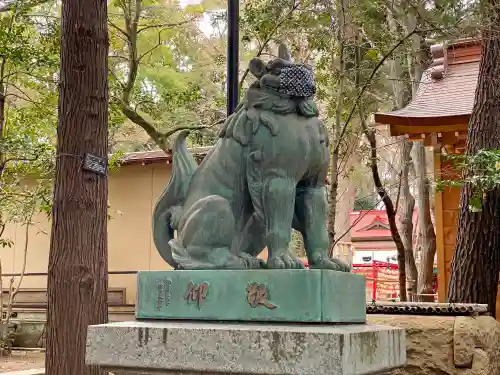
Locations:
(260, 107)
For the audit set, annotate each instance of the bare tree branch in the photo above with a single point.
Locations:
(10, 160)
(158, 44)
(150, 129)
(166, 25)
(123, 32)
(180, 128)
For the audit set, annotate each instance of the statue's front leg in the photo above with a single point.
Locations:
(310, 220)
(278, 206)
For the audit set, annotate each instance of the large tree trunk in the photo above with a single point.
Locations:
(476, 261)
(77, 274)
(427, 234)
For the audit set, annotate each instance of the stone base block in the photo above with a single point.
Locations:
(254, 295)
(154, 348)
(40, 371)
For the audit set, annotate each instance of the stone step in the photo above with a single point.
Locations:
(39, 371)
(158, 348)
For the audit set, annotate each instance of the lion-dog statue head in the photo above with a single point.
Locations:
(282, 87)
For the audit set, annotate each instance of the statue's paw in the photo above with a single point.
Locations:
(324, 263)
(251, 262)
(284, 261)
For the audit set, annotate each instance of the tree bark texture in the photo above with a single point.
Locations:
(77, 272)
(427, 233)
(476, 261)
(406, 207)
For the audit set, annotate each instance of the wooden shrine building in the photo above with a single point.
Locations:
(439, 116)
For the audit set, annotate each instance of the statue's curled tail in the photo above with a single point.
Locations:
(168, 209)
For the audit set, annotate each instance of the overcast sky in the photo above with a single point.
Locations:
(187, 2)
(205, 23)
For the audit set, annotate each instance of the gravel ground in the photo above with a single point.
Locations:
(20, 360)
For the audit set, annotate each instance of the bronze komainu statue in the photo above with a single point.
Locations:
(264, 176)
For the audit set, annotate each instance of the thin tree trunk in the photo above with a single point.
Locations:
(382, 192)
(476, 260)
(428, 236)
(406, 208)
(2, 120)
(2, 327)
(3, 93)
(13, 291)
(2, 223)
(337, 129)
(2, 110)
(389, 208)
(406, 201)
(77, 273)
(347, 186)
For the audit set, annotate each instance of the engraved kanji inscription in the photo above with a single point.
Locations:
(160, 298)
(163, 294)
(258, 295)
(196, 293)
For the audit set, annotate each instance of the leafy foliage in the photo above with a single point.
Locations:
(161, 76)
(29, 57)
(480, 170)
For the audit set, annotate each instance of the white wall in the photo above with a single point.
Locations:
(380, 255)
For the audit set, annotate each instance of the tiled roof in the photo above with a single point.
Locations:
(363, 228)
(146, 157)
(445, 101)
(158, 156)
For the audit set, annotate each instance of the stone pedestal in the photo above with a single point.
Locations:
(313, 296)
(171, 347)
(297, 322)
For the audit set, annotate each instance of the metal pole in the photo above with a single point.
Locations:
(233, 39)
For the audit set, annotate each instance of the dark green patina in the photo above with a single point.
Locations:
(264, 176)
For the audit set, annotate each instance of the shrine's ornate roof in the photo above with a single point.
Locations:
(446, 93)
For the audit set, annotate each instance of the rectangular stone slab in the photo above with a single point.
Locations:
(255, 295)
(165, 348)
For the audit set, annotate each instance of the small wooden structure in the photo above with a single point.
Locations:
(439, 116)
